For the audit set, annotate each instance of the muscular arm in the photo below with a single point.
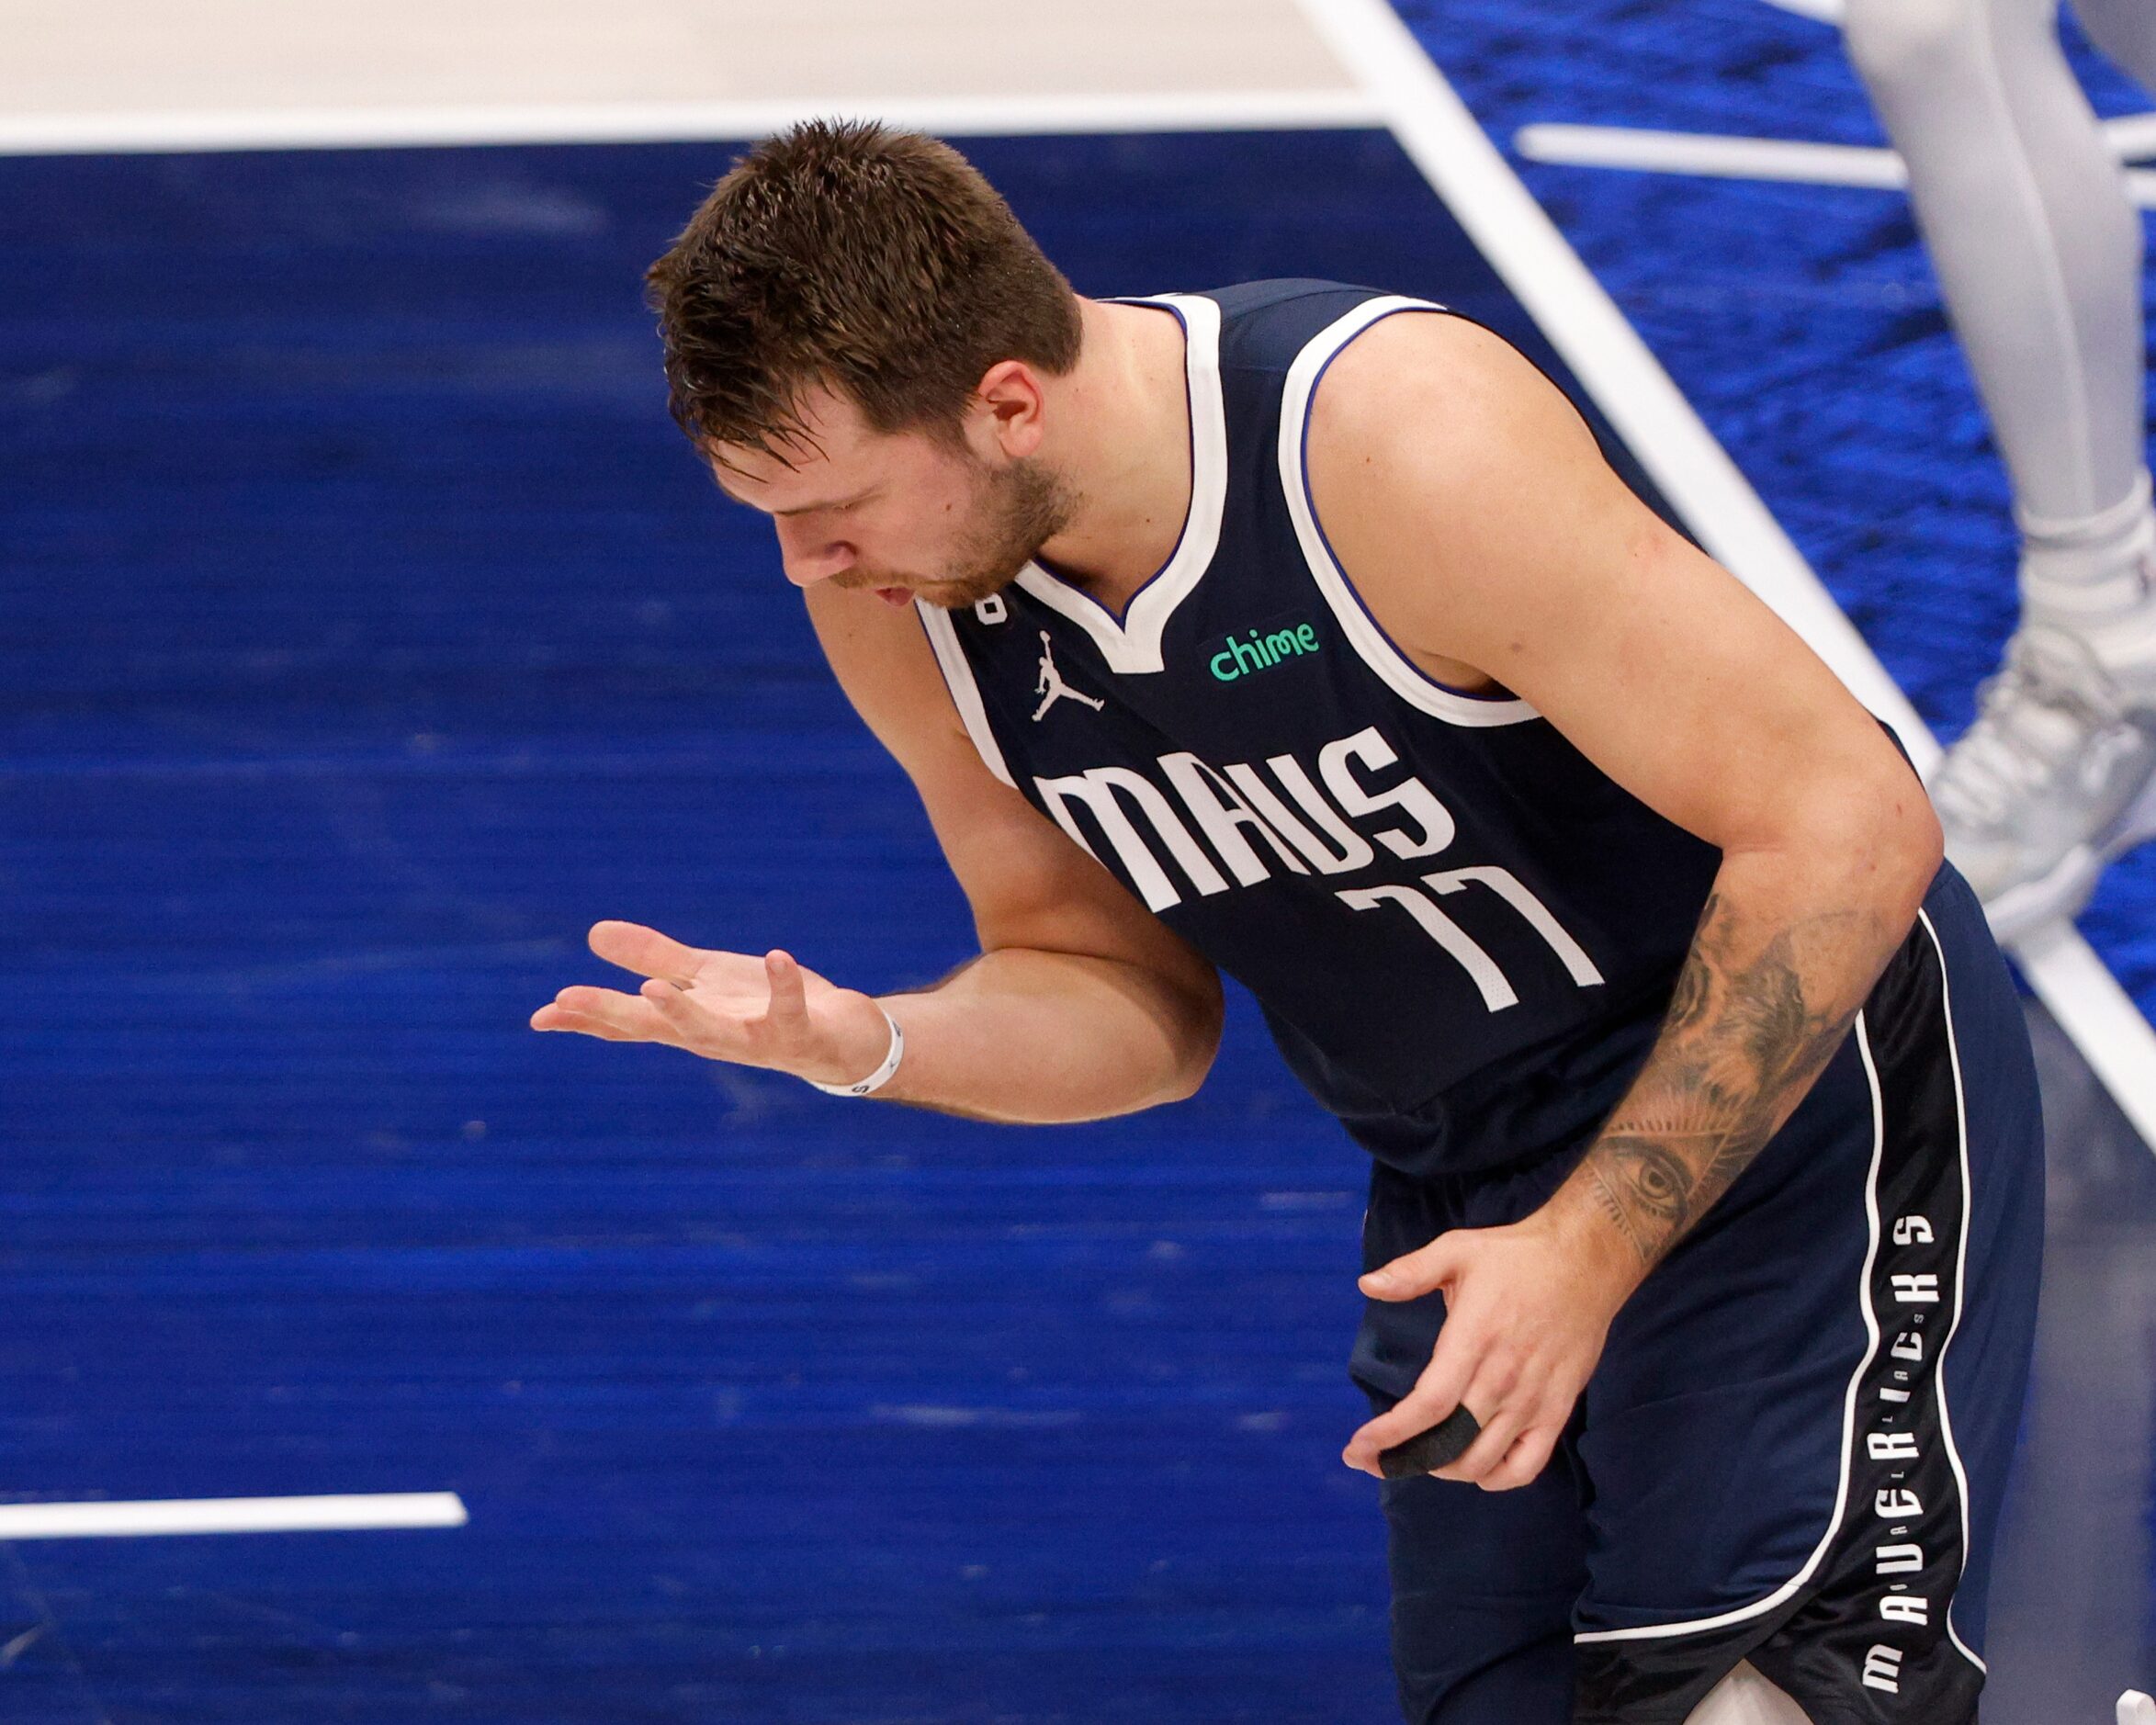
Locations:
(1510, 553)
(1083, 1003)
(1765, 996)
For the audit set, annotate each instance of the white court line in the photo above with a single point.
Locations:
(2133, 139)
(1692, 469)
(1711, 154)
(665, 122)
(232, 1515)
(1718, 156)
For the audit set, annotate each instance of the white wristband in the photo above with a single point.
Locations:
(881, 1075)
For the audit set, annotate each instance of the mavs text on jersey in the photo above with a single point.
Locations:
(1464, 937)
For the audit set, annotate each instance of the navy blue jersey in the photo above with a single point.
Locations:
(1462, 934)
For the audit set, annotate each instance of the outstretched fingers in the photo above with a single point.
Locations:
(788, 1012)
(727, 1007)
(606, 1013)
(688, 1029)
(645, 950)
(704, 1024)
(556, 1018)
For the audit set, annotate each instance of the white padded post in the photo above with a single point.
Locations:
(2136, 1708)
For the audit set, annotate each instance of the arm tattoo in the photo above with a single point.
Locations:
(1690, 998)
(1741, 1044)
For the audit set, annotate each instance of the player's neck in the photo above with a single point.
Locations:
(1124, 448)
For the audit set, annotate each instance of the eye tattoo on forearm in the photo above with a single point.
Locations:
(1736, 1042)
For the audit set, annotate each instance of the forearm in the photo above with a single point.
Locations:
(1784, 957)
(1022, 1034)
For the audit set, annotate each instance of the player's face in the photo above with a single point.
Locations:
(903, 514)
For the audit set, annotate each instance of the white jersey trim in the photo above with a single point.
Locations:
(965, 693)
(1782, 1595)
(1961, 1288)
(1369, 641)
(1132, 647)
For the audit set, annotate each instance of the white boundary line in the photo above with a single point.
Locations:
(1711, 154)
(1682, 457)
(232, 1515)
(1822, 11)
(663, 122)
(1718, 156)
(2133, 138)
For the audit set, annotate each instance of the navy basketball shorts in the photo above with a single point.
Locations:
(1794, 1448)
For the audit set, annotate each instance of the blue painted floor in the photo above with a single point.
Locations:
(368, 634)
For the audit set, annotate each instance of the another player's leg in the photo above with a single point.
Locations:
(2038, 251)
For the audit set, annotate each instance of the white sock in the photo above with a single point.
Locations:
(2092, 567)
(2095, 578)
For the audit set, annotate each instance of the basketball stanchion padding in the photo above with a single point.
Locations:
(1441, 1446)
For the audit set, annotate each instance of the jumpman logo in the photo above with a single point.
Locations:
(1051, 687)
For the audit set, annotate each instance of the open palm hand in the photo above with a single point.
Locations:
(756, 1011)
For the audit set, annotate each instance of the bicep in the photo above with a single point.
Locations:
(1671, 675)
(1535, 563)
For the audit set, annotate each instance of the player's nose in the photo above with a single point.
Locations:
(812, 558)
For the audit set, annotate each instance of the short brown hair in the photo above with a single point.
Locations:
(877, 263)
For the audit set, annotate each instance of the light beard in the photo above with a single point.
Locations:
(1022, 508)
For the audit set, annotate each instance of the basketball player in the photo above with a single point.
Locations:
(1302, 633)
(2038, 253)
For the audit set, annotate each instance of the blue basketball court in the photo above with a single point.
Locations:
(369, 633)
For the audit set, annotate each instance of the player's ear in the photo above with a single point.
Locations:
(1009, 402)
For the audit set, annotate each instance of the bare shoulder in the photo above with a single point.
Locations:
(1442, 404)
(1472, 509)
(1460, 488)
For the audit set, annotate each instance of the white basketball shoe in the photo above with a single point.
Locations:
(2058, 774)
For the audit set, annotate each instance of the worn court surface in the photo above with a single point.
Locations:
(368, 635)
